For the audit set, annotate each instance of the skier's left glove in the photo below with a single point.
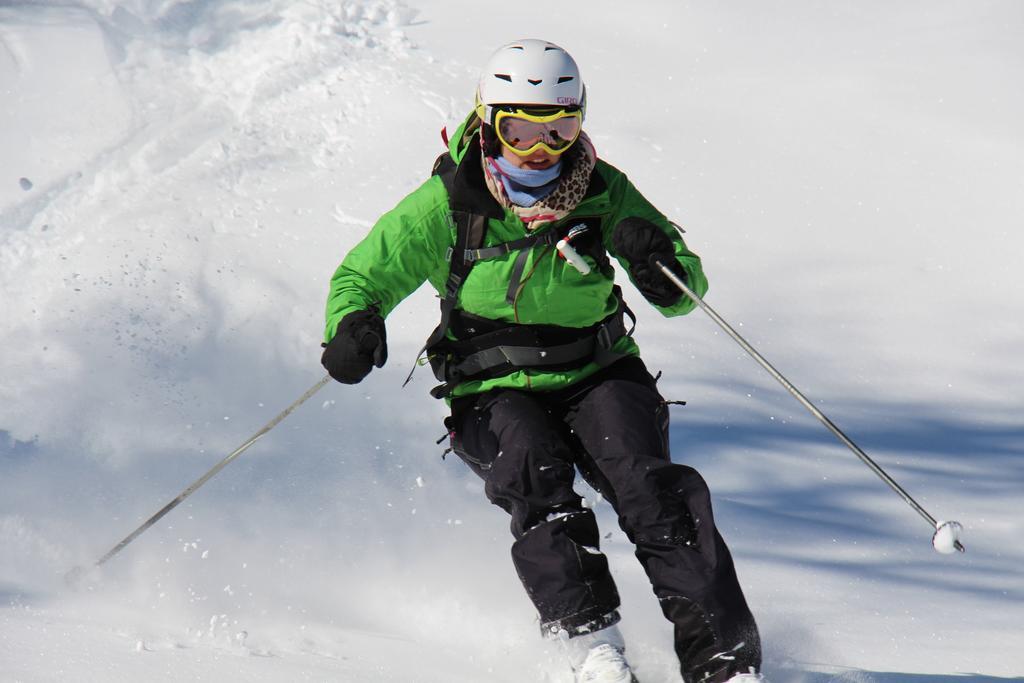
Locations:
(360, 344)
(641, 243)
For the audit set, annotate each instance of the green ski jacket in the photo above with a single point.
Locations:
(412, 244)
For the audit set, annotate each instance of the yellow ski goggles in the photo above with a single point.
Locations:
(525, 133)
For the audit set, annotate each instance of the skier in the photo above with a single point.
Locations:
(514, 230)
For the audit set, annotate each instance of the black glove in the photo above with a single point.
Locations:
(359, 344)
(642, 243)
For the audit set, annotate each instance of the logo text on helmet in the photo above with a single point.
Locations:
(567, 100)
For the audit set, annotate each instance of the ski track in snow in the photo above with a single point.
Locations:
(179, 179)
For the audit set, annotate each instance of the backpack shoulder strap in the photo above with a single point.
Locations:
(470, 230)
(445, 167)
(469, 236)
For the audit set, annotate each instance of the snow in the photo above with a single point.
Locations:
(179, 179)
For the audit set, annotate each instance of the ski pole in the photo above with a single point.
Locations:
(946, 537)
(74, 574)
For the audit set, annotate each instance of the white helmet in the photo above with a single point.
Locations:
(533, 72)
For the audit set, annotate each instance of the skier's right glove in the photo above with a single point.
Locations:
(360, 343)
(641, 243)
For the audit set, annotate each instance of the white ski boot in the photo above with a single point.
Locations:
(747, 678)
(597, 657)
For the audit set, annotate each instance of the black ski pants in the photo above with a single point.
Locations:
(613, 427)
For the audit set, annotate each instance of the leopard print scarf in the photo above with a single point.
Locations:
(572, 186)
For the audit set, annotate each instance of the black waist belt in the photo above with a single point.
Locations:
(503, 351)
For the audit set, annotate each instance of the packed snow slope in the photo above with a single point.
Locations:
(178, 180)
